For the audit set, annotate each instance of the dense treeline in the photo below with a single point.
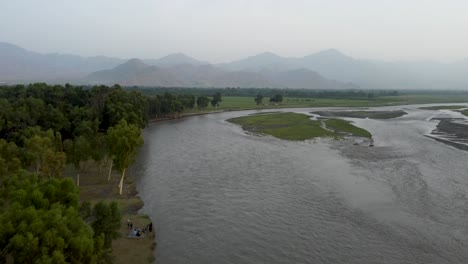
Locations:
(252, 92)
(42, 129)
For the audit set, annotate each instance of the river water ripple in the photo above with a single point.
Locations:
(219, 195)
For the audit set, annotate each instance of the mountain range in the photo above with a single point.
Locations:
(136, 72)
(329, 69)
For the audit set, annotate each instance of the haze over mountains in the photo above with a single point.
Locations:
(329, 69)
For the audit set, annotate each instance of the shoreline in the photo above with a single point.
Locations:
(95, 187)
(280, 107)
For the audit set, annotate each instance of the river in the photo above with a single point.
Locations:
(219, 195)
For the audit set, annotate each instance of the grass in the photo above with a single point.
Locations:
(344, 126)
(362, 114)
(94, 187)
(232, 103)
(465, 112)
(293, 126)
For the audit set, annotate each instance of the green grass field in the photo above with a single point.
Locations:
(362, 114)
(244, 103)
(293, 126)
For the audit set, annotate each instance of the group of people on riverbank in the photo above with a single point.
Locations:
(138, 232)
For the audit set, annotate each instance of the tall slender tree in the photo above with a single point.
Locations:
(125, 140)
(78, 152)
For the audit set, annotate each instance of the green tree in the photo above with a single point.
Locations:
(277, 98)
(202, 102)
(258, 99)
(78, 152)
(36, 146)
(99, 149)
(216, 100)
(54, 163)
(120, 104)
(9, 157)
(41, 223)
(5, 114)
(106, 222)
(124, 142)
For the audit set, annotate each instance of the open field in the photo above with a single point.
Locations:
(293, 126)
(243, 103)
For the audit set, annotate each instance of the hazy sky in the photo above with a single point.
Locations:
(224, 30)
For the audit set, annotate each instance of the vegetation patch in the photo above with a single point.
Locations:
(343, 126)
(443, 107)
(362, 114)
(293, 126)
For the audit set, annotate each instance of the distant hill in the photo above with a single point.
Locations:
(175, 59)
(333, 64)
(263, 70)
(17, 63)
(263, 61)
(136, 72)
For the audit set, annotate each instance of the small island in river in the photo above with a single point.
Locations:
(362, 114)
(294, 126)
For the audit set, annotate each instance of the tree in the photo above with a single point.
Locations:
(78, 151)
(258, 99)
(120, 104)
(5, 113)
(124, 142)
(277, 98)
(41, 223)
(106, 221)
(9, 157)
(202, 102)
(54, 163)
(216, 99)
(36, 147)
(99, 149)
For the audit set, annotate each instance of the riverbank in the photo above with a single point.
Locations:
(236, 103)
(95, 187)
(183, 115)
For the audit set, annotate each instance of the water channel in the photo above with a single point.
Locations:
(219, 195)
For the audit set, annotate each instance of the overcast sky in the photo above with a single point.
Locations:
(224, 30)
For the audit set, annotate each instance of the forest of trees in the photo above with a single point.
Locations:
(42, 129)
(252, 92)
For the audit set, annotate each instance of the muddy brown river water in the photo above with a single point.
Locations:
(219, 195)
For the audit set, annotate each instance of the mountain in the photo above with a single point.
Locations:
(262, 70)
(18, 64)
(136, 72)
(332, 64)
(263, 61)
(21, 65)
(303, 78)
(176, 59)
